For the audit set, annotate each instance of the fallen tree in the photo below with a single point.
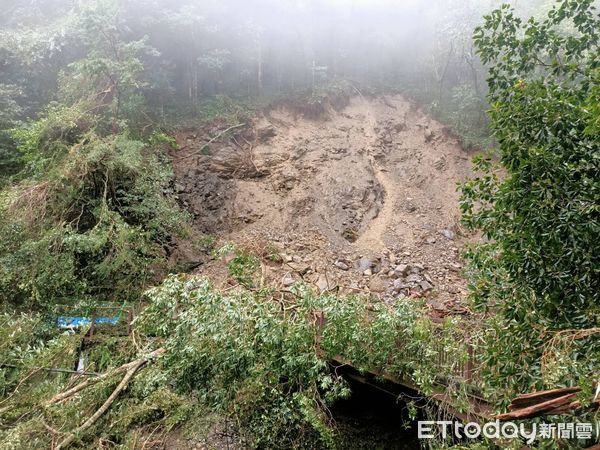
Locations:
(130, 370)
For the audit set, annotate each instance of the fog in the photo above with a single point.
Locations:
(198, 49)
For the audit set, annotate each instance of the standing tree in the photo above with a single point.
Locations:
(538, 273)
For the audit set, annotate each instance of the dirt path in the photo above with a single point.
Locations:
(361, 201)
(371, 240)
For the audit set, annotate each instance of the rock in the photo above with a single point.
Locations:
(287, 280)
(436, 305)
(455, 267)
(399, 284)
(448, 234)
(265, 131)
(341, 265)
(410, 207)
(385, 264)
(429, 135)
(452, 289)
(325, 284)
(401, 270)
(413, 278)
(287, 258)
(296, 259)
(431, 240)
(378, 285)
(368, 272)
(300, 267)
(400, 126)
(440, 164)
(391, 273)
(426, 286)
(364, 264)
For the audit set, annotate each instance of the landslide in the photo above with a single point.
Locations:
(361, 199)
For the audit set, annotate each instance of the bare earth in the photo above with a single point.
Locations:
(362, 201)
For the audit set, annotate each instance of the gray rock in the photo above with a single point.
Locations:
(399, 284)
(437, 305)
(413, 278)
(325, 284)
(429, 135)
(453, 289)
(287, 280)
(448, 234)
(402, 270)
(368, 272)
(341, 265)
(364, 264)
(377, 285)
(265, 132)
(426, 286)
(301, 267)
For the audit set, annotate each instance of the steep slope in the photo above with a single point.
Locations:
(362, 201)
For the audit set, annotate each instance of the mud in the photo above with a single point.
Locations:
(373, 182)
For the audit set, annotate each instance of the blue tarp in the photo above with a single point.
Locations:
(76, 322)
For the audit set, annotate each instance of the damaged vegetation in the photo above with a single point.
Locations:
(257, 359)
(211, 226)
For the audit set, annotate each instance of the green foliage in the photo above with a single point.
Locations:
(273, 253)
(243, 267)
(90, 217)
(243, 357)
(10, 110)
(158, 137)
(266, 366)
(242, 264)
(28, 344)
(93, 222)
(539, 272)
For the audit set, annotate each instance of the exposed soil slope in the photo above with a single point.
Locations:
(364, 200)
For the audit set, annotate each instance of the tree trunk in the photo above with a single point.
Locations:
(260, 62)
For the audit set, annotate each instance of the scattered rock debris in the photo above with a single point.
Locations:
(363, 202)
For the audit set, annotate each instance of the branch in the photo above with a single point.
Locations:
(124, 368)
(536, 410)
(130, 369)
(109, 401)
(525, 400)
(212, 140)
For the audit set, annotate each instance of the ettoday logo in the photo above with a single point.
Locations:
(430, 429)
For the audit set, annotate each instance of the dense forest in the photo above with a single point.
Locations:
(221, 221)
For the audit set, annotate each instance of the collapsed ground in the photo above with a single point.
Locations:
(358, 198)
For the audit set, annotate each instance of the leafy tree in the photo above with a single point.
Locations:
(9, 111)
(538, 274)
(90, 218)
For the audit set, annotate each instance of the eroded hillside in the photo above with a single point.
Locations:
(363, 200)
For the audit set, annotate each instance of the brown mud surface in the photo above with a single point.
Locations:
(363, 200)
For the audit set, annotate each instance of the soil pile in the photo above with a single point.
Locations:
(363, 201)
